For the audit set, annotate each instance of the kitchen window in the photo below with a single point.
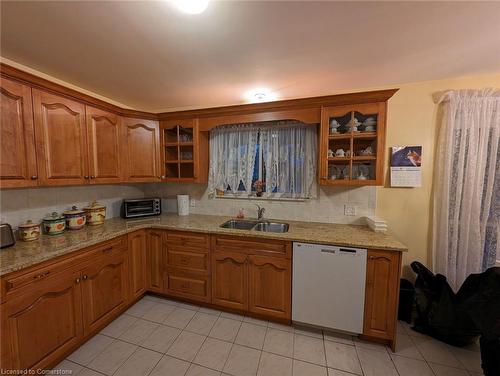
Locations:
(272, 160)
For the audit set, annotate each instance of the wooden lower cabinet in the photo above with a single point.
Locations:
(252, 275)
(137, 243)
(42, 325)
(154, 260)
(192, 286)
(104, 289)
(383, 271)
(230, 280)
(48, 310)
(270, 286)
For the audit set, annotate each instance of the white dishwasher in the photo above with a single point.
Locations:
(329, 286)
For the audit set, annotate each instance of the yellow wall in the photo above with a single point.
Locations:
(412, 120)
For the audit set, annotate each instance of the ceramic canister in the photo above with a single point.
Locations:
(75, 218)
(54, 224)
(96, 213)
(29, 231)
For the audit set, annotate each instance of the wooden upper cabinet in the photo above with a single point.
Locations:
(381, 294)
(17, 156)
(60, 139)
(42, 325)
(352, 144)
(141, 150)
(104, 139)
(184, 151)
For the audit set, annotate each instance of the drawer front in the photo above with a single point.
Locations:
(188, 285)
(188, 239)
(18, 281)
(269, 247)
(186, 259)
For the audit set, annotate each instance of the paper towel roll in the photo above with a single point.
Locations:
(182, 204)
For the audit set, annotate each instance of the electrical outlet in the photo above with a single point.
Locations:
(349, 209)
(192, 203)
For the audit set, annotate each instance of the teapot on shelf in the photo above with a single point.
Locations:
(353, 125)
(340, 153)
(366, 152)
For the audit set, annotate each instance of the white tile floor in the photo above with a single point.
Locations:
(160, 337)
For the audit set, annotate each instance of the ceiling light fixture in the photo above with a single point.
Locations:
(260, 95)
(191, 6)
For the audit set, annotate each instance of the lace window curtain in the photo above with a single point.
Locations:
(289, 154)
(466, 193)
(232, 157)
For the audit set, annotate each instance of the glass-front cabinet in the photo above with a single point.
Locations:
(352, 144)
(184, 151)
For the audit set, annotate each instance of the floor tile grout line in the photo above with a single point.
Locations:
(261, 351)
(359, 361)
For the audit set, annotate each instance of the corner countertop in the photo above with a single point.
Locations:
(26, 254)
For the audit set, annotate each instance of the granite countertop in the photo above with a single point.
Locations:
(25, 254)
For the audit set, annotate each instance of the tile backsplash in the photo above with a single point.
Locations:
(327, 207)
(19, 205)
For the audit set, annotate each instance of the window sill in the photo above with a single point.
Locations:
(255, 198)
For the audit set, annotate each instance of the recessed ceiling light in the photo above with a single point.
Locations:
(191, 6)
(260, 95)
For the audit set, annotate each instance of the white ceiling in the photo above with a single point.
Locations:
(149, 56)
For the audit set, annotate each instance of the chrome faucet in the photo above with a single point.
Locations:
(260, 212)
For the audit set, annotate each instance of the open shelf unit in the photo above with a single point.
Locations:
(352, 144)
(182, 144)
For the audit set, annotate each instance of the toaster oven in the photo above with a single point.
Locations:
(140, 207)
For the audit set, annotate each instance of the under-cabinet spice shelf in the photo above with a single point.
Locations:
(184, 151)
(352, 144)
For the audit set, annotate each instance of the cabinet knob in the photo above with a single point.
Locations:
(163, 176)
(86, 177)
(85, 277)
(77, 280)
(34, 177)
(92, 176)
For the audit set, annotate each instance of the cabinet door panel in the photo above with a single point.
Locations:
(230, 280)
(44, 324)
(61, 139)
(17, 155)
(186, 259)
(382, 289)
(103, 134)
(154, 254)
(141, 149)
(104, 290)
(187, 285)
(137, 254)
(270, 286)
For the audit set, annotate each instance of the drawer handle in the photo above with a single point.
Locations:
(184, 261)
(106, 250)
(42, 275)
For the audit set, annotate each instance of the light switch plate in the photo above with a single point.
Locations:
(349, 209)
(192, 203)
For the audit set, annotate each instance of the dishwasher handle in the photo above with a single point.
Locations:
(326, 250)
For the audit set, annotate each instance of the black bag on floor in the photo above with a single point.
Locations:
(440, 312)
(481, 296)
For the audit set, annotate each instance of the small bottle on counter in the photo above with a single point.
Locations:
(241, 214)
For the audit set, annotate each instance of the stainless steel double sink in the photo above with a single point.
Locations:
(261, 225)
